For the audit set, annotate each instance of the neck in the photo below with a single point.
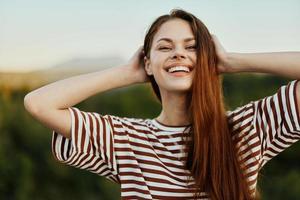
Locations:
(174, 110)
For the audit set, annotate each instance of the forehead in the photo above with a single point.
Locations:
(175, 29)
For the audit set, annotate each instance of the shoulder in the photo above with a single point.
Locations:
(131, 122)
(241, 120)
(241, 113)
(107, 119)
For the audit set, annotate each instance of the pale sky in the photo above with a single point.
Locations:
(36, 34)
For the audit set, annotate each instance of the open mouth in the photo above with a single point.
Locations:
(179, 70)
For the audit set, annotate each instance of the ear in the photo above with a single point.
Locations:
(147, 66)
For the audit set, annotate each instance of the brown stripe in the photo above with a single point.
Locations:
(74, 158)
(296, 100)
(76, 123)
(133, 197)
(151, 148)
(102, 131)
(82, 161)
(154, 163)
(289, 115)
(267, 119)
(259, 127)
(273, 108)
(251, 164)
(98, 133)
(248, 148)
(282, 112)
(153, 171)
(62, 150)
(93, 141)
(69, 149)
(241, 128)
(250, 156)
(242, 118)
(111, 150)
(238, 111)
(176, 197)
(54, 143)
(134, 190)
(105, 170)
(78, 115)
(92, 164)
(83, 131)
(156, 139)
(90, 139)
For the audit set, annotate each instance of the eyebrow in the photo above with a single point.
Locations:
(170, 40)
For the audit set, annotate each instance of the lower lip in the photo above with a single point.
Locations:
(178, 74)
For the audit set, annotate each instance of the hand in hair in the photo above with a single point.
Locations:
(223, 57)
(137, 67)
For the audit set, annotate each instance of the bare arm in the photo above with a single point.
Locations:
(278, 63)
(49, 104)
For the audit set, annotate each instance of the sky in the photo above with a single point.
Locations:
(37, 34)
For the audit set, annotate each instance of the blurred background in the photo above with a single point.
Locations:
(44, 41)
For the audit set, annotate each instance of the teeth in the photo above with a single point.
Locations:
(178, 68)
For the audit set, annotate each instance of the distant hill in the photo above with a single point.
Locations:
(76, 66)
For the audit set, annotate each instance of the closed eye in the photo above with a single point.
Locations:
(191, 47)
(168, 48)
(162, 48)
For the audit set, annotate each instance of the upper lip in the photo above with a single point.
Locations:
(178, 64)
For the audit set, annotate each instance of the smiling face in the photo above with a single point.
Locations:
(172, 56)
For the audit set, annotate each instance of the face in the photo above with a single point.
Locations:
(173, 48)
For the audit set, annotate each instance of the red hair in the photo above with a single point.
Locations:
(212, 158)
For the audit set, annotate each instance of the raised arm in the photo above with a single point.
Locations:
(285, 64)
(49, 104)
(278, 63)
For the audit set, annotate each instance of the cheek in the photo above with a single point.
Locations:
(155, 57)
(194, 57)
(157, 62)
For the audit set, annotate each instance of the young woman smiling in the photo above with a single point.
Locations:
(193, 148)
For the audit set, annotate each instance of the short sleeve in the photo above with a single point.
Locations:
(277, 121)
(269, 125)
(91, 146)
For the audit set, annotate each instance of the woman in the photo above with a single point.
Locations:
(193, 148)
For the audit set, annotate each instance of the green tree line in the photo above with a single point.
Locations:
(29, 171)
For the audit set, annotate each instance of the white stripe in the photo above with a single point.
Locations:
(285, 108)
(130, 177)
(293, 100)
(171, 169)
(173, 194)
(102, 150)
(65, 153)
(157, 152)
(79, 131)
(87, 132)
(132, 193)
(85, 163)
(170, 177)
(108, 144)
(57, 147)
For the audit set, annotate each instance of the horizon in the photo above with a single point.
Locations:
(38, 35)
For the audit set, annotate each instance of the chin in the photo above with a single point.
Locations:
(180, 89)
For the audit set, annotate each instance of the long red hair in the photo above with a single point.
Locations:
(212, 158)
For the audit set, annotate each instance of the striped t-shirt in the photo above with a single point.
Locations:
(146, 157)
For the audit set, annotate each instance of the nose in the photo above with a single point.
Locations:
(178, 54)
